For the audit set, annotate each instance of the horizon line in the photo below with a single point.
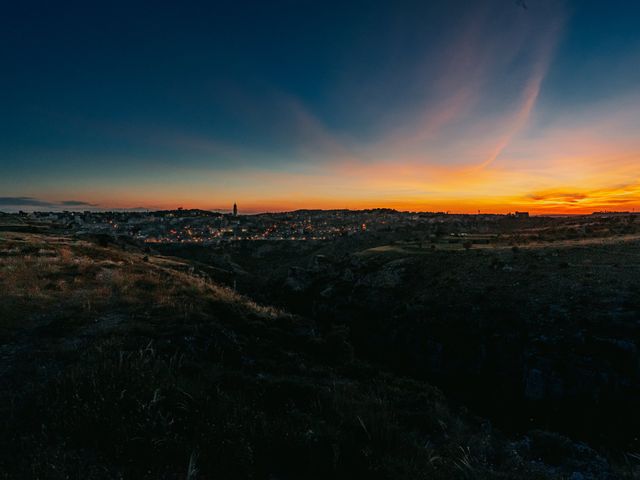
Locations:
(266, 212)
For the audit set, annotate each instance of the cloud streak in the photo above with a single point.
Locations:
(77, 203)
(23, 202)
(516, 122)
(36, 203)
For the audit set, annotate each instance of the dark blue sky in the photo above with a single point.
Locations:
(289, 103)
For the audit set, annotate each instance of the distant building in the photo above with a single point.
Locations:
(522, 214)
(235, 210)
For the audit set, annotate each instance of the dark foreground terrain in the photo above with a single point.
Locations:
(116, 362)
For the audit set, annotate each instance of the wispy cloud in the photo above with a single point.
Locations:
(37, 203)
(23, 202)
(77, 203)
(558, 197)
(585, 199)
(518, 120)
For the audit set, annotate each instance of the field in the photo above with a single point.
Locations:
(118, 362)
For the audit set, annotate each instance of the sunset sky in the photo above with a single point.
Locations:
(455, 105)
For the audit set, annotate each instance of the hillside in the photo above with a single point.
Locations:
(120, 364)
(538, 335)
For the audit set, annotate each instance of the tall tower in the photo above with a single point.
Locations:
(235, 210)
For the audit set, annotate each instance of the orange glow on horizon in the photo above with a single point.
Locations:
(575, 185)
(575, 168)
(551, 201)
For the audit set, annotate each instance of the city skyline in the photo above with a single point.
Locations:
(494, 106)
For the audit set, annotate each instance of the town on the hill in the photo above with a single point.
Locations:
(431, 229)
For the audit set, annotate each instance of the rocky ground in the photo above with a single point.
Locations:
(544, 334)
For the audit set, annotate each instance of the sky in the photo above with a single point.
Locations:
(459, 106)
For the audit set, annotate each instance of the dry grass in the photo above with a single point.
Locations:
(195, 382)
(42, 273)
